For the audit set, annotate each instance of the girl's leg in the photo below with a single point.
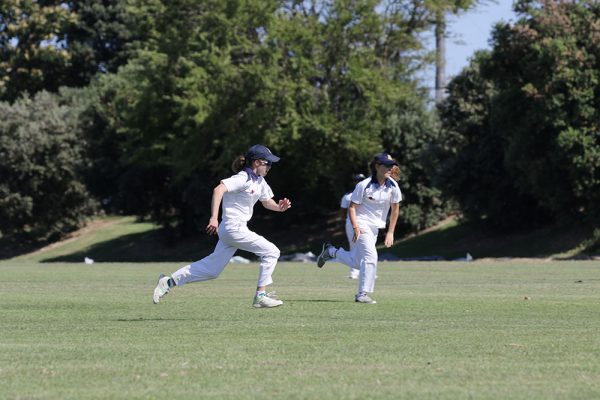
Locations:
(247, 240)
(366, 252)
(207, 268)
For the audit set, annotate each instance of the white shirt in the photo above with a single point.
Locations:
(243, 191)
(345, 202)
(374, 201)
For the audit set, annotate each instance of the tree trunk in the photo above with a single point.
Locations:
(440, 55)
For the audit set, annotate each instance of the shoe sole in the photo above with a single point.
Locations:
(260, 306)
(366, 302)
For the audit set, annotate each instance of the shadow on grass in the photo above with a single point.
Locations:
(316, 301)
(153, 246)
(456, 241)
(13, 247)
(148, 319)
(141, 247)
(449, 242)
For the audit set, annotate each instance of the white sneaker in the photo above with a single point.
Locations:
(353, 274)
(161, 289)
(364, 298)
(265, 301)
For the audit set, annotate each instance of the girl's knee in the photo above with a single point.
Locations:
(275, 253)
(272, 252)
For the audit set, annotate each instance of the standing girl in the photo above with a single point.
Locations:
(372, 199)
(238, 193)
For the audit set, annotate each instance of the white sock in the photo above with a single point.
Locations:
(332, 251)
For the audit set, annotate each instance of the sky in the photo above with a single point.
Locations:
(470, 32)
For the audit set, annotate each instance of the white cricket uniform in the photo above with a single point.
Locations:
(373, 205)
(243, 191)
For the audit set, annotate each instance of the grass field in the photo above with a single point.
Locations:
(439, 331)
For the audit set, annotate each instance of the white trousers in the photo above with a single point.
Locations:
(232, 236)
(362, 256)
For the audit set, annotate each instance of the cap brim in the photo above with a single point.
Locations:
(272, 158)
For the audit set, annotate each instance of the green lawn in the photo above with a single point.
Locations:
(439, 331)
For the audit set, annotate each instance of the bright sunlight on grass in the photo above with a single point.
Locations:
(518, 330)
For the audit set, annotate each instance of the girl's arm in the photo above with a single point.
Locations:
(213, 222)
(355, 227)
(281, 206)
(389, 236)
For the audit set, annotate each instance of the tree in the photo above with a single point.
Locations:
(523, 120)
(409, 132)
(49, 44)
(546, 67)
(438, 9)
(472, 166)
(31, 54)
(312, 80)
(42, 194)
(100, 37)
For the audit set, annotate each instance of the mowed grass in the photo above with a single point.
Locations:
(439, 331)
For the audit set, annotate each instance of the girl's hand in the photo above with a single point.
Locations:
(213, 226)
(357, 233)
(389, 239)
(284, 204)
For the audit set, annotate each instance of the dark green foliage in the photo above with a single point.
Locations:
(314, 84)
(31, 55)
(42, 195)
(472, 166)
(409, 133)
(49, 44)
(547, 69)
(100, 37)
(521, 123)
(180, 88)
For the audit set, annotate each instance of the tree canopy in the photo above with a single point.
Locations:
(162, 96)
(173, 91)
(521, 122)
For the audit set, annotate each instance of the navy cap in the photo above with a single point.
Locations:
(260, 152)
(385, 159)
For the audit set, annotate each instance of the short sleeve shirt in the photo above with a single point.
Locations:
(345, 202)
(374, 201)
(243, 191)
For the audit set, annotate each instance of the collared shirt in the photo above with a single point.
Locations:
(374, 201)
(243, 191)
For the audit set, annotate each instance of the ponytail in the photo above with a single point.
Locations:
(238, 164)
(395, 173)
